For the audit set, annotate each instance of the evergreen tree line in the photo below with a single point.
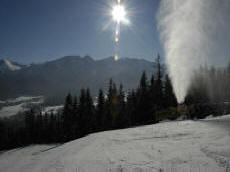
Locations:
(209, 92)
(114, 109)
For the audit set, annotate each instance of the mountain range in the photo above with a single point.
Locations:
(54, 79)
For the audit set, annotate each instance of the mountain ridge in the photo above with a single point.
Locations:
(54, 79)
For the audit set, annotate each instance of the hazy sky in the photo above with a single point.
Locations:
(40, 30)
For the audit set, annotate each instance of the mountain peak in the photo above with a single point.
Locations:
(6, 65)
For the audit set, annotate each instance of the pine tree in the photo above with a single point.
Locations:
(109, 106)
(152, 83)
(82, 112)
(143, 104)
(131, 108)
(122, 120)
(152, 96)
(75, 106)
(67, 117)
(143, 82)
(170, 98)
(100, 111)
(90, 115)
(159, 85)
(75, 118)
(110, 91)
(114, 108)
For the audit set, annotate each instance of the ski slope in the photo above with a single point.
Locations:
(179, 146)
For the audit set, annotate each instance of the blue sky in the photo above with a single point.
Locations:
(41, 30)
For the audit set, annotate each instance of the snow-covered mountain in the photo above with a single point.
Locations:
(6, 65)
(54, 79)
(179, 146)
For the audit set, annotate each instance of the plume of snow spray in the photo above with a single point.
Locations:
(193, 33)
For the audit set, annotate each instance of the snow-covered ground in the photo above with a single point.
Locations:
(52, 109)
(15, 106)
(180, 146)
(18, 105)
(8, 111)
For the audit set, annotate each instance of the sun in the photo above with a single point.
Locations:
(119, 13)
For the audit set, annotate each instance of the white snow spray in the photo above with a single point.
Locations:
(193, 33)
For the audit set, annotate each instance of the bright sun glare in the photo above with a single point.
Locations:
(119, 13)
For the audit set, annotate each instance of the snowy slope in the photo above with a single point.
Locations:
(18, 105)
(171, 146)
(9, 111)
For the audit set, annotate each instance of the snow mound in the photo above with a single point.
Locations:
(178, 146)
